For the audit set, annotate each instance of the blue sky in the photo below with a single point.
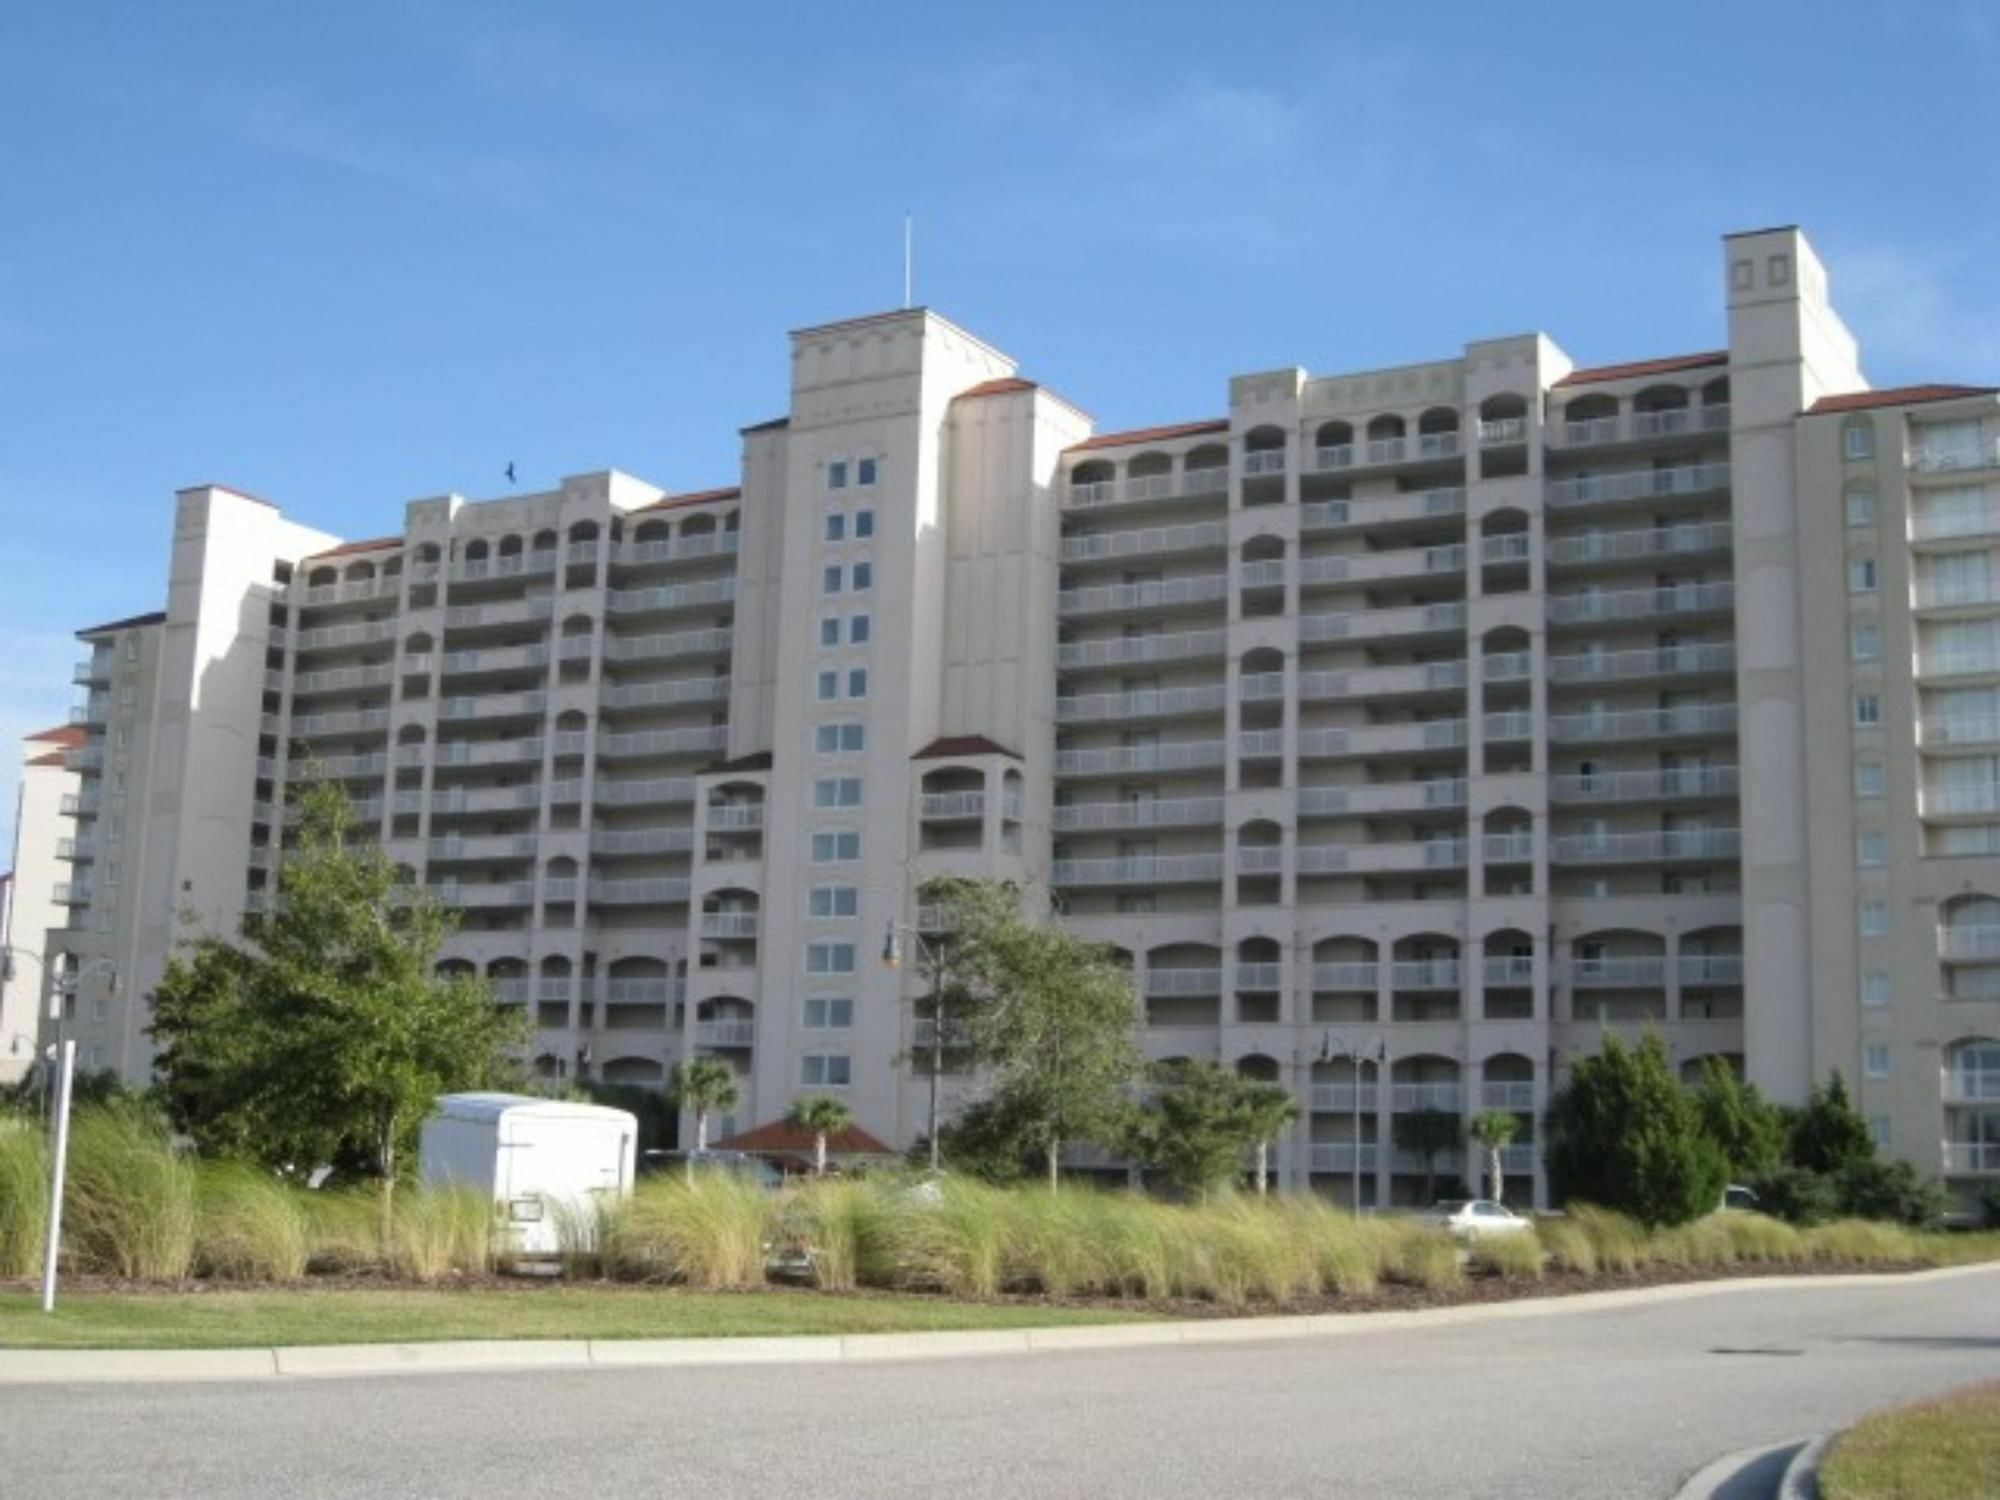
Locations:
(346, 255)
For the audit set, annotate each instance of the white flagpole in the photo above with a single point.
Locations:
(57, 1169)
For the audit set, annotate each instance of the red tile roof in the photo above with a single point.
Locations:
(693, 497)
(1004, 387)
(953, 746)
(1150, 434)
(370, 544)
(1673, 362)
(780, 1138)
(1902, 395)
(61, 734)
(157, 617)
(57, 759)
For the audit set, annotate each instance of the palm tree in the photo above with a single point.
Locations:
(1427, 1133)
(1266, 1110)
(1495, 1130)
(823, 1116)
(703, 1084)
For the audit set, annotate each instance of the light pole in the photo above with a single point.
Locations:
(1329, 1049)
(929, 956)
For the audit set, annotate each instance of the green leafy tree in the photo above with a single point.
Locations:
(1053, 1019)
(1750, 1131)
(1201, 1119)
(703, 1086)
(1426, 1133)
(1797, 1196)
(823, 1116)
(1626, 1135)
(325, 1033)
(1495, 1129)
(1876, 1189)
(1828, 1133)
(990, 1139)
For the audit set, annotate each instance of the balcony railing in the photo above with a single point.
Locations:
(735, 816)
(1964, 662)
(1186, 812)
(665, 549)
(1639, 604)
(1340, 1156)
(1145, 869)
(1637, 484)
(1263, 461)
(1639, 786)
(1168, 982)
(1645, 541)
(1128, 650)
(709, 591)
(1957, 944)
(1406, 1097)
(1148, 703)
(1669, 844)
(1360, 975)
(1939, 730)
(940, 807)
(1445, 500)
(1420, 619)
(1641, 972)
(1508, 1094)
(611, 841)
(1185, 755)
(1709, 968)
(1194, 536)
(729, 924)
(654, 890)
(1169, 593)
(1213, 480)
(702, 739)
(677, 643)
(1507, 970)
(1683, 720)
(1984, 454)
(1972, 1156)
(1425, 974)
(1503, 430)
(725, 1033)
(1694, 659)
(1944, 801)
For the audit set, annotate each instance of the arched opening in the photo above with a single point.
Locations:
(1507, 1085)
(1437, 432)
(1093, 482)
(1385, 438)
(510, 546)
(1505, 543)
(1346, 975)
(1260, 863)
(1260, 981)
(1333, 445)
(1184, 985)
(1971, 1091)
(1710, 968)
(1508, 974)
(1149, 476)
(1425, 978)
(1263, 466)
(1590, 419)
(1969, 946)
(951, 808)
(1205, 468)
(1258, 1066)
(1618, 975)
(1427, 1104)
(321, 578)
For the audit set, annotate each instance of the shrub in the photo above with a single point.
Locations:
(248, 1225)
(1798, 1195)
(1568, 1245)
(1618, 1243)
(1627, 1135)
(1892, 1190)
(1828, 1133)
(128, 1208)
(1514, 1257)
(435, 1232)
(24, 1197)
(710, 1232)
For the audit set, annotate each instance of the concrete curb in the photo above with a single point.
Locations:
(1801, 1481)
(326, 1361)
(1734, 1474)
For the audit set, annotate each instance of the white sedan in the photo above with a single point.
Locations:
(1475, 1218)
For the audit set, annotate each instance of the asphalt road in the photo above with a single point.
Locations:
(1620, 1402)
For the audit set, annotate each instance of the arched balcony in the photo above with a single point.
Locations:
(1437, 433)
(728, 928)
(1333, 445)
(1259, 980)
(735, 820)
(1260, 576)
(1591, 419)
(1427, 1111)
(1260, 862)
(1709, 966)
(1346, 978)
(1183, 985)
(951, 808)
(1386, 439)
(1506, 547)
(726, 1023)
(1425, 978)
(1969, 946)
(1617, 975)
(1263, 466)
(1507, 959)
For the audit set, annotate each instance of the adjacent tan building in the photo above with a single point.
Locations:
(1452, 713)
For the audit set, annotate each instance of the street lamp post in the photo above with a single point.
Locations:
(927, 954)
(1329, 1049)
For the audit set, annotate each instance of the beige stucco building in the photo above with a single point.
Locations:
(1454, 712)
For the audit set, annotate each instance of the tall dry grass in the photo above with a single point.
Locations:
(248, 1226)
(129, 1204)
(710, 1232)
(24, 1196)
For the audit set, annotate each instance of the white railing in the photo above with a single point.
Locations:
(359, 721)
(1942, 593)
(1984, 454)
(1425, 974)
(1508, 547)
(1643, 541)
(1405, 1097)
(1144, 869)
(725, 1033)
(666, 694)
(1507, 666)
(328, 636)
(494, 846)
(1637, 786)
(1184, 981)
(1508, 848)
(1645, 723)
(1617, 848)
(701, 739)
(740, 817)
(1709, 968)
(1264, 461)
(1635, 604)
(1944, 524)
(512, 565)
(504, 612)
(341, 593)
(677, 643)
(493, 659)
(1942, 800)
(641, 840)
(642, 989)
(1694, 659)
(1513, 725)
(1503, 430)
(653, 791)
(1186, 755)
(661, 890)
(1265, 573)
(943, 805)
(1643, 972)
(1181, 646)
(1260, 744)
(1637, 484)
(1211, 480)
(1972, 1156)
(1509, 1094)
(1186, 812)
(1260, 859)
(1959, 729)
(1164, 594)
(340, 678)
(672, 596)
(1362, 975)
(1259, 976)
(1149, 703)
(1194, 536)
(729, 924)
(1959, 663)
(666, 549)
(1339, 1156)
(1969, 942)
(1370, 624)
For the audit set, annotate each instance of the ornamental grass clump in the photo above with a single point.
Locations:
(1619, 1242)
(1863, 1242)
(1347, 1255)
(1053, 1243)
(1701, 1245)
(24, 1196)
(129, 1207)
(842, 1225)
(343, 1229)
(1568, 1245)
(437, 1232)
(1257, 1256)
(1426, 1258)
(1135, 1243)
(249, 1226)
(1511, 1257)
(708, 1233)
(1759, 1239)
(952, 1238)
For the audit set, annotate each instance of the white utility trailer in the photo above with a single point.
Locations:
(540, 1160)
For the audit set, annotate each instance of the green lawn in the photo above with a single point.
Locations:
(234, 1319)
(1948, 1449)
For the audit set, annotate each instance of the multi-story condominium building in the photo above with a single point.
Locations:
(33, 894)
(1406, 729)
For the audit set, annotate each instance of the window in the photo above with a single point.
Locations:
(857, 629)
(829, 631)
(1878, 1131)
(863, 576)
(829, 579)
(1867, 709)
(1875, 988)
(1860, 508)
(1874, 919)
(836, 474)
(131, 647)
(832, 901)
(864, 471)
(1871, 850)
(840, 739)
(836, 527)
(1868, 778)
(1875, 1060)
(837, 791)
(857, 682)
(825, 1070)
(829, 1013)
(1865, 641)
(1861, 576)
(1858, 440)
(829, 686)
(836, 848)
(864, 525)
(829, 958)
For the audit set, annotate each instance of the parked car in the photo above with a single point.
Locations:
(1475, 1218)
